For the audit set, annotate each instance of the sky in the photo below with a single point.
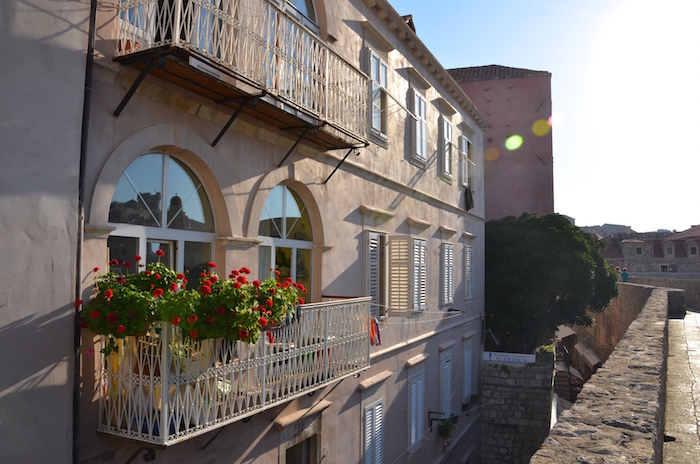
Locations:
(625, 94)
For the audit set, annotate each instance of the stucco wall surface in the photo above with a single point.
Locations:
(619, 414)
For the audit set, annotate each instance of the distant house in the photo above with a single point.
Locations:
(655, 251)
(517, 103)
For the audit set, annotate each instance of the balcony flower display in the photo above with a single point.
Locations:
(235, 308)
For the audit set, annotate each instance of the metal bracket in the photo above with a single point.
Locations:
(250, 99)
(301, 136)
(157, 61)
(352, 149)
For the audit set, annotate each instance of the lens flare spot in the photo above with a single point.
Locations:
(514, 142)
(491, 154)
(556, 119)
(540, 128)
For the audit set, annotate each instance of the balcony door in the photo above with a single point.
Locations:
(286, 236)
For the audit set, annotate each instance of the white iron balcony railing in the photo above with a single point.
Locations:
(257, 41)
(163, 388)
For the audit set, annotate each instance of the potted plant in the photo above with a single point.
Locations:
(446, 428)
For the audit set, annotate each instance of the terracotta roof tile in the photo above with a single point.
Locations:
(491, 72)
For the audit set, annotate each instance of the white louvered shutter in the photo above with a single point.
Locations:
(419, 275)
(468, 272)
(416, 392)
(399, 268)
(446, 385)
(374, 271)
(467, 372)
(374, 418)
(448, 251)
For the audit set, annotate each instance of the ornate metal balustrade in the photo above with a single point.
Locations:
(258, 42)
(163, 388)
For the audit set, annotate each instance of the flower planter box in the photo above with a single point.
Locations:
(163, 377)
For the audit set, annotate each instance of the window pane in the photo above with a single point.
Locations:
(189, 206)
(138, 196)
(304, 270)
(123, 249)
(271, 217)
(283, 262)
(298, 221)
(264, 262)
(152, 246)
(197, 256)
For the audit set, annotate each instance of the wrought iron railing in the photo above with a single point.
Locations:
(163, 387)
(257, 41)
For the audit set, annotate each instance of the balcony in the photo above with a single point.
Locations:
(194, 387)
(252, 57)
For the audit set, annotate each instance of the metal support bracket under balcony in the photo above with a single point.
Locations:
(306, 130)
(157, 61)
(352, 149)
(250, 100)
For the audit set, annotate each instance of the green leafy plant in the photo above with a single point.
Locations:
(446, 427)
(236, 309)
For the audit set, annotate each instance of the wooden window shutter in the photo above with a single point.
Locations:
(399, 268)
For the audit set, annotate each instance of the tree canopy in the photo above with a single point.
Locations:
(542, 271)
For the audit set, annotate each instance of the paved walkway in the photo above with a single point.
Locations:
(683, 391)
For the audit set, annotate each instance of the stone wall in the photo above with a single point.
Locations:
(516, 407)
(689, 283)
(619, 414)
(611, 325)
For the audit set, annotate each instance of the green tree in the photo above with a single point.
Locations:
(542, 271)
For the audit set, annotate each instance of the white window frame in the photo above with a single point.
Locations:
(373, 433)
(693, 250)
(466, 162)
(468, 272)
(378, 95)
(447, 269)
(419, 143)
(446, 383)
(376, 271)
(446, 151)
(419, 275)
(416, 407)
(467, 360)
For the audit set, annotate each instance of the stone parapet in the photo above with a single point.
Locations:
(619, 414)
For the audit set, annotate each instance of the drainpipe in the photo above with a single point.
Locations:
(87, 96)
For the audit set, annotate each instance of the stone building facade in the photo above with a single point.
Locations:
(320, 138)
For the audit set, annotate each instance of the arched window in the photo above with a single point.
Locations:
(287, 239)
(159, 203)
(305, 7)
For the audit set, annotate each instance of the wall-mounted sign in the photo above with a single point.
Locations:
(491, 356)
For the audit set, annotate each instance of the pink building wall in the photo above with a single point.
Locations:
(513, 100)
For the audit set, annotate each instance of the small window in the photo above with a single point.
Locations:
(378, 74)
(447, 269)
(466, 162)
(693, 250)
(420, 127)
(446, 149)
(639, 250)
(669, 250)
(664, 268)
(467, 371)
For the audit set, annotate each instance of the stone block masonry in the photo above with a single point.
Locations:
(515, 409)
(619, 414)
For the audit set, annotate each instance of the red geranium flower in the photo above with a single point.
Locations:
(272, 291)
(210, 319)
(262, 321)
(83, 324)
(112, 318)
(243, 333)
(192, 318)
(95, 269)
(95, 315)
(114, 262)
(121, 280)
(173, 286)
(213, 279)
(256, 283)
(121, 328)
(235, 272)
(176, 320)
(158, 292)
(137, 258)
(180, 275)
(160, 253)
(127, 265)
(221, 310)
(202, 275)
(194, 333)
(244, 270)
(157, 276)
(211, 264)
(269, 303)
(205, 290)
(109, 293)
(236, 285)
(147, 272)
(78, 303)
(300, 301)
(206, 282)
(242, 280)
(270, 337)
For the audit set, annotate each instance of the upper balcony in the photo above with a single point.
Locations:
(165, 377)
(251, 56)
